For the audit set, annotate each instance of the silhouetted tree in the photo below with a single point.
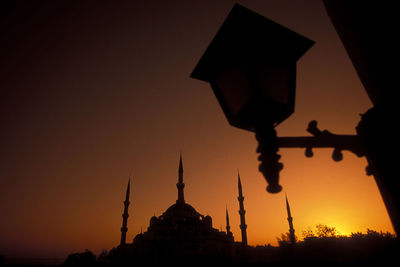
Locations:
(325, 231)
(112, 255)
(308, 233)
(284, 239)
(321, 231)
(86, 258)
(103, 256)
(357, 235)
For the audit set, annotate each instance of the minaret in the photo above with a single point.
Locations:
(290, 220)
(125, 215)
(228, 227)
(243, 225)
(180, 185)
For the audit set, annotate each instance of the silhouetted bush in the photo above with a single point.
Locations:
(103, 257)
(284, 240)
(86, 258)
(325, 245)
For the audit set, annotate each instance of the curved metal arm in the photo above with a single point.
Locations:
(269, 144)
(321, 139)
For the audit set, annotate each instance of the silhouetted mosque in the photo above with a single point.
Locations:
(181, 231)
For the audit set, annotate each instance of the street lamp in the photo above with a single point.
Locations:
(251, 67)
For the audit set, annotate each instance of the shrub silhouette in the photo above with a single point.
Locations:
(86, 258)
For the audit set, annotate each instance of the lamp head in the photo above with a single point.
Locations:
(251, 67)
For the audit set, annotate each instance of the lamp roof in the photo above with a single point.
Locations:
(245, 37)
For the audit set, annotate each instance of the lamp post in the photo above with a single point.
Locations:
(251, 67)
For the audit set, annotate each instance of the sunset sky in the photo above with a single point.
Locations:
(93, 92)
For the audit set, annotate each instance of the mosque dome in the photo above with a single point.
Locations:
(181, 231)
(181, 210)
(153, 220)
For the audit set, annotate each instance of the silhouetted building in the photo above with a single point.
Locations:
(242, 212)
(292, 237)
(180, 232)
(125, 215)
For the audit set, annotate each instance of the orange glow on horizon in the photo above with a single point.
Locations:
(90, 101)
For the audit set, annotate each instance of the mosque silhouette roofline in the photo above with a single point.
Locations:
(179, 231)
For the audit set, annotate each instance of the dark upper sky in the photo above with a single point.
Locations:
(92, 91)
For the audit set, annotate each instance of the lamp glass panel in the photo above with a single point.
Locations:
(274, 82)
(233, 85)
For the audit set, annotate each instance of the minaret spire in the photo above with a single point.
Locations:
(228, 227)
(290, 220)
(180, 185)
(125, 215)
(242, 212)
